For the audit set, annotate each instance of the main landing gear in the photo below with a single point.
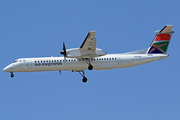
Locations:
(83, 75)
(12, 75)
(81, 72)
(90, 67)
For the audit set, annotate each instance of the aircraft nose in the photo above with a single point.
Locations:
(8, 68)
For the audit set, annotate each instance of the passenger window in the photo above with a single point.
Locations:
(38, 61)
(41, 61)
(94, 59)
(57, 60)
(35, 61)
(54, 60)
(112, 58)
(115, 58)
(49, 61)
(104, 58)
(46, 60)
(107, 58)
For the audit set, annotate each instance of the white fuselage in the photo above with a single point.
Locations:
(109, 61)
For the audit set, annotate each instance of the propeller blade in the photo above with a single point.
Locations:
(64, 51)
(64, 48)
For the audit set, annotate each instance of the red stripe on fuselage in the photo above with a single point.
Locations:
(162, 37)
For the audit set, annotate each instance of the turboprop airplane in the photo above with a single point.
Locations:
(90, 57)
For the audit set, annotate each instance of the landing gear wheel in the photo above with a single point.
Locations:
(83, 75)
(84, 79)
(12, 75)
(90, 67)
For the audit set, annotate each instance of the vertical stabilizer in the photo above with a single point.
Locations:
(161, 41)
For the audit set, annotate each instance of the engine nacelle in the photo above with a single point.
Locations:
(77, 53)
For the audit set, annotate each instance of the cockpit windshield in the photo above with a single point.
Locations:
(15, 61)
(18, 60)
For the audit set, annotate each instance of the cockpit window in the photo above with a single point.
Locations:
(15, 61)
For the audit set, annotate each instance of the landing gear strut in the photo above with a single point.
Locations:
(12, 75)
(90, 67)
(83, 75)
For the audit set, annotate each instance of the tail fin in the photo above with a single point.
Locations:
(161, 41)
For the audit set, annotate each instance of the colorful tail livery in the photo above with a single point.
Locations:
(161, 40)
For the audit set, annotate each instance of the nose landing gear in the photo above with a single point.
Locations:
(12, 75)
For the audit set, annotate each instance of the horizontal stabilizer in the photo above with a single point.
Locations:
(167, 29)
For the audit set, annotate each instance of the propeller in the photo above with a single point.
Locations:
(64, 52)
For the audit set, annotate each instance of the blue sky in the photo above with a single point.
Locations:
(38, 29)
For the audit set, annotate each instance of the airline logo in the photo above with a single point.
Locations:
(160, 43)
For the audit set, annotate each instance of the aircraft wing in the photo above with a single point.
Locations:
(88, 48)
(89, 43)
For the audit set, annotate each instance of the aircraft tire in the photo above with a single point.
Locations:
(12, 75)
(84, 79)
(90, 67)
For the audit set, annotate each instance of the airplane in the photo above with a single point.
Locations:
(89, 57)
